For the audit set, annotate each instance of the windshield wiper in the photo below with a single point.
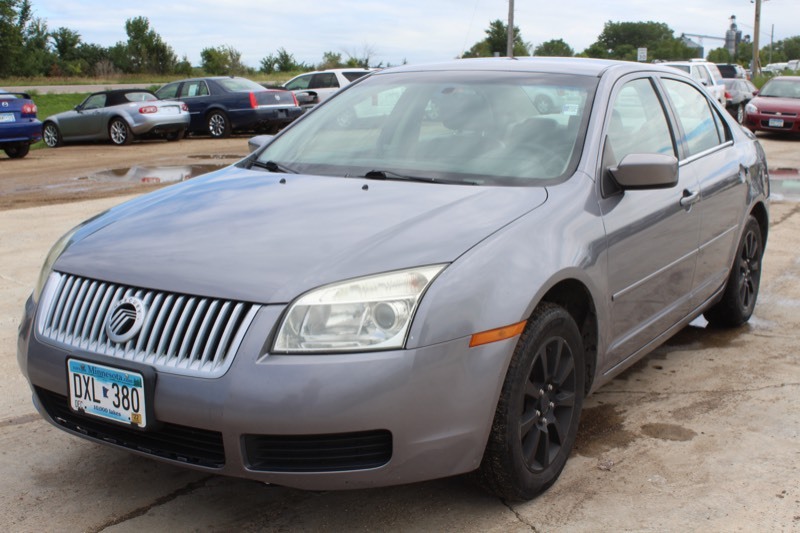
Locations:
(391, 175)
(272, 166)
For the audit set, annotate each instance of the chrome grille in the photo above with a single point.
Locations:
(181, 334)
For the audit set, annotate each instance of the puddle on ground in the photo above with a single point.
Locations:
(601, 430)
(668, 432)
(151, 175)
(784, 184)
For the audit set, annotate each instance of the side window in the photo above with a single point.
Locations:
(299, 83)
(701, 74)
(194, 88)
(702, 128)
(168, 91)
(638, 124)
(324, 81)
(96, 101)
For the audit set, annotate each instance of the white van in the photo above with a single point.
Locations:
(704, 72)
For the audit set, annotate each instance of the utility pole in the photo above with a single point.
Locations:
(510, 43)
(755, 68)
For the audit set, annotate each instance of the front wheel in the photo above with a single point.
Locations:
(741, 291)
(51, 135)
(119, 132)
(537, 416)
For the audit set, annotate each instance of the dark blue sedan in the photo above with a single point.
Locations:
(222, 105)
(19, 127)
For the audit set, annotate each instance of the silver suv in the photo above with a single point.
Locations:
(705, 73)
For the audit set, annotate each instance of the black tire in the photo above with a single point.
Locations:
(119, 132)
(17, 151)
(174, 136)
(539, 410)
(741, 290)
(51, 135)
(219, 126)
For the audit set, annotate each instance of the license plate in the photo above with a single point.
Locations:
(7, 117)
(107, 392)
(776, 123)
(170, 110)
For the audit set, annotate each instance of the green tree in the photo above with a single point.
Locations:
(284, 61)
(222, 60)
(554, 48)
(719, 55)
(66, 43)
(496, 41)
(24, 46)
(330, 60)
(145, 50)
(621, 40)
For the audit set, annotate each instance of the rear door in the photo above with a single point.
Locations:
(197, 96)
(709, 156)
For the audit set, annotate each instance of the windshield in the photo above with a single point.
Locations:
(470, 127)
(781, 89)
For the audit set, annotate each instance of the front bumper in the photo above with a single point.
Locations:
(772, 122)
(402, 416)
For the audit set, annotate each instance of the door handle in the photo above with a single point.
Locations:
(689, 198)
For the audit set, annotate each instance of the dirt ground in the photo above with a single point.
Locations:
(86, 171)
(702, 435)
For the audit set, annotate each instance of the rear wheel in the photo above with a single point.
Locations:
(119, 132)
(537, 416)
(51, 135)
(744, 279)
(218, 124)
(17, 151)
(175, 135)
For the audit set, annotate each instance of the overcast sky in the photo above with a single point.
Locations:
(417, 31)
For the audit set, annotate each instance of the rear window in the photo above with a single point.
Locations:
(140, 97)
(239, 84)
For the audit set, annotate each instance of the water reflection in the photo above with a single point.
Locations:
(151, 175)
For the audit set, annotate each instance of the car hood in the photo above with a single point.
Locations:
(266, 238)
(774, 103)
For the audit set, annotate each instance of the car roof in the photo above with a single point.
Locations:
(550, 65)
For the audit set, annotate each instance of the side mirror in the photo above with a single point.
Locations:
(755, 93)
(646, 171)
(79, 108)
(258, 141)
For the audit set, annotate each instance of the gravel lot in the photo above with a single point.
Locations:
(702, 435)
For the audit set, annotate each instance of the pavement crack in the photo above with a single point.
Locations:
(519, 516)
(785, 217)
(183, 491)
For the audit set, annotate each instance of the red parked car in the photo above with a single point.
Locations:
(776, 106)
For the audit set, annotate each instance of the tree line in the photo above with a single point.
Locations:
(29, 49)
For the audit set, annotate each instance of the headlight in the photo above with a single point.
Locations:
(750, 108)
(370, 313)
(60, 245)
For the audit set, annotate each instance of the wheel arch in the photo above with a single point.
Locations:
(576, 299)
(759, 212)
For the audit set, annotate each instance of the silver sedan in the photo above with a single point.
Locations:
(406, 295)
(119, 116)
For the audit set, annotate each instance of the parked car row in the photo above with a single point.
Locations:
(216, 106)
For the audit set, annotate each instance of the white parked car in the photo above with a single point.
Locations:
(706, 73)
(319, 85)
